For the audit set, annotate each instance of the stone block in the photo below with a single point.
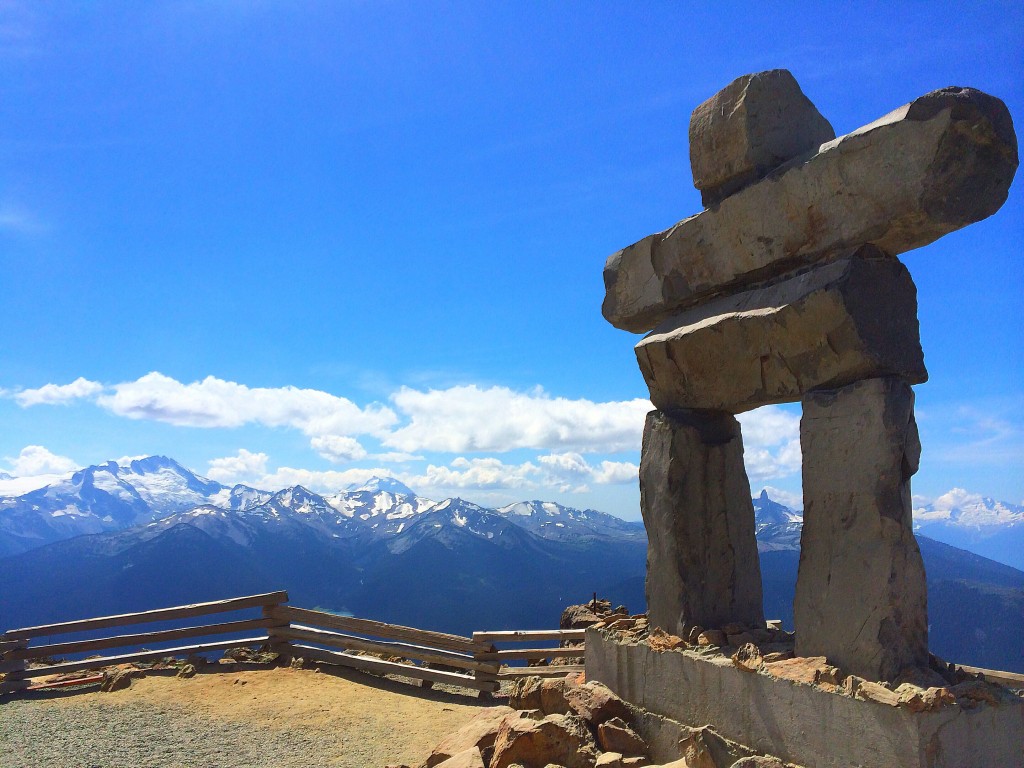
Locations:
(929, 168)
(702, 562)
(861, 598)
(799, 723)
(836, 323)
(750, 127)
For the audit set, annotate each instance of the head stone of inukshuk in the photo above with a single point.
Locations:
(788, 287)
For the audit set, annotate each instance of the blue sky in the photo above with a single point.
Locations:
(306, 242)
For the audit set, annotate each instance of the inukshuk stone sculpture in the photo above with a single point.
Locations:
(787, 287)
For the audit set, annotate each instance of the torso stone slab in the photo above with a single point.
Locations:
(854, 318)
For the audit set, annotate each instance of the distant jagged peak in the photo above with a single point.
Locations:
(382, 484)
(962, 508)
(767, 511)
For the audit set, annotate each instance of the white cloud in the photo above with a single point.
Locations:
(37, 460)
(214, 402)
(565, 472)
(244, 466)
(616, 473)
(338, 448)
(486, 473)
(397, 457)
(58, 394)
(771, 443)
(470, 418)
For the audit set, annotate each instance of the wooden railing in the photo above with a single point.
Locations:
(532, 654)
(16, 651)
(433, 657)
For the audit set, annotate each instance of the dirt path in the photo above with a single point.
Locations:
(278, 717)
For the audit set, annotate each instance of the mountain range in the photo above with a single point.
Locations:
(149, 532)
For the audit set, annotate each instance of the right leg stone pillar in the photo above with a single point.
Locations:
(861, 598)
(702, 563)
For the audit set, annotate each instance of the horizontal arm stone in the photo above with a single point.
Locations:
(926, 169)
(853, 318)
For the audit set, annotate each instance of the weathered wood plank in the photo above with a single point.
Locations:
(523, 635)
(530, 653)
(11, 666)
(119, 641)
(349, 642)
(9, 645)
(1009, 679)
(141, 617)
(392, 668)
(126, 658)
(377, 629)
(515, 673)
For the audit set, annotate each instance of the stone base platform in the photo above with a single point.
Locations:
(799, 722)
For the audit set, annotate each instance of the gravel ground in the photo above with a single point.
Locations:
(273, 718)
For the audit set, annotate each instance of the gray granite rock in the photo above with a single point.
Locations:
(702, 562)
(930, 167)
(750, 127)
(861, 599)
(854, 318)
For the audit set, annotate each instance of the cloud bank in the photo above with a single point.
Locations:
(460, 420)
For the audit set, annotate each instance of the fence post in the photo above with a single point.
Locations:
(12, 667)
(275, 641)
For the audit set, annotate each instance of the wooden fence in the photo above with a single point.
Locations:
(433, 657)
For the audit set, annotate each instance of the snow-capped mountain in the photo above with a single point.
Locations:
(777, 526)
(554, 521)
(158, 493)
(383, 552)
(110, 497)
(980, 524)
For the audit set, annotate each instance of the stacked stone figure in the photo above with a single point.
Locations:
(787, 287)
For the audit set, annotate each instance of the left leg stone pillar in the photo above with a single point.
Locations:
(702, 563)
(861, 599)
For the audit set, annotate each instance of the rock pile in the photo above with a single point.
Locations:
(570, 723)
(787, 287)
(770, 651)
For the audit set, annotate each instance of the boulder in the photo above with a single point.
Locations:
(854, 318)
(616, 760)
(480, 732)
(595, 703)
(544, 694)
(660, 640)
(615, 735)
(711, 637)
(470, 758)
(119, 678)
(860, 598)
(802, 669)
(702, 562)
(930, 167)
(750, 127)
(748, 658)
(186, 671)
(560, 739)
(583, 616)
